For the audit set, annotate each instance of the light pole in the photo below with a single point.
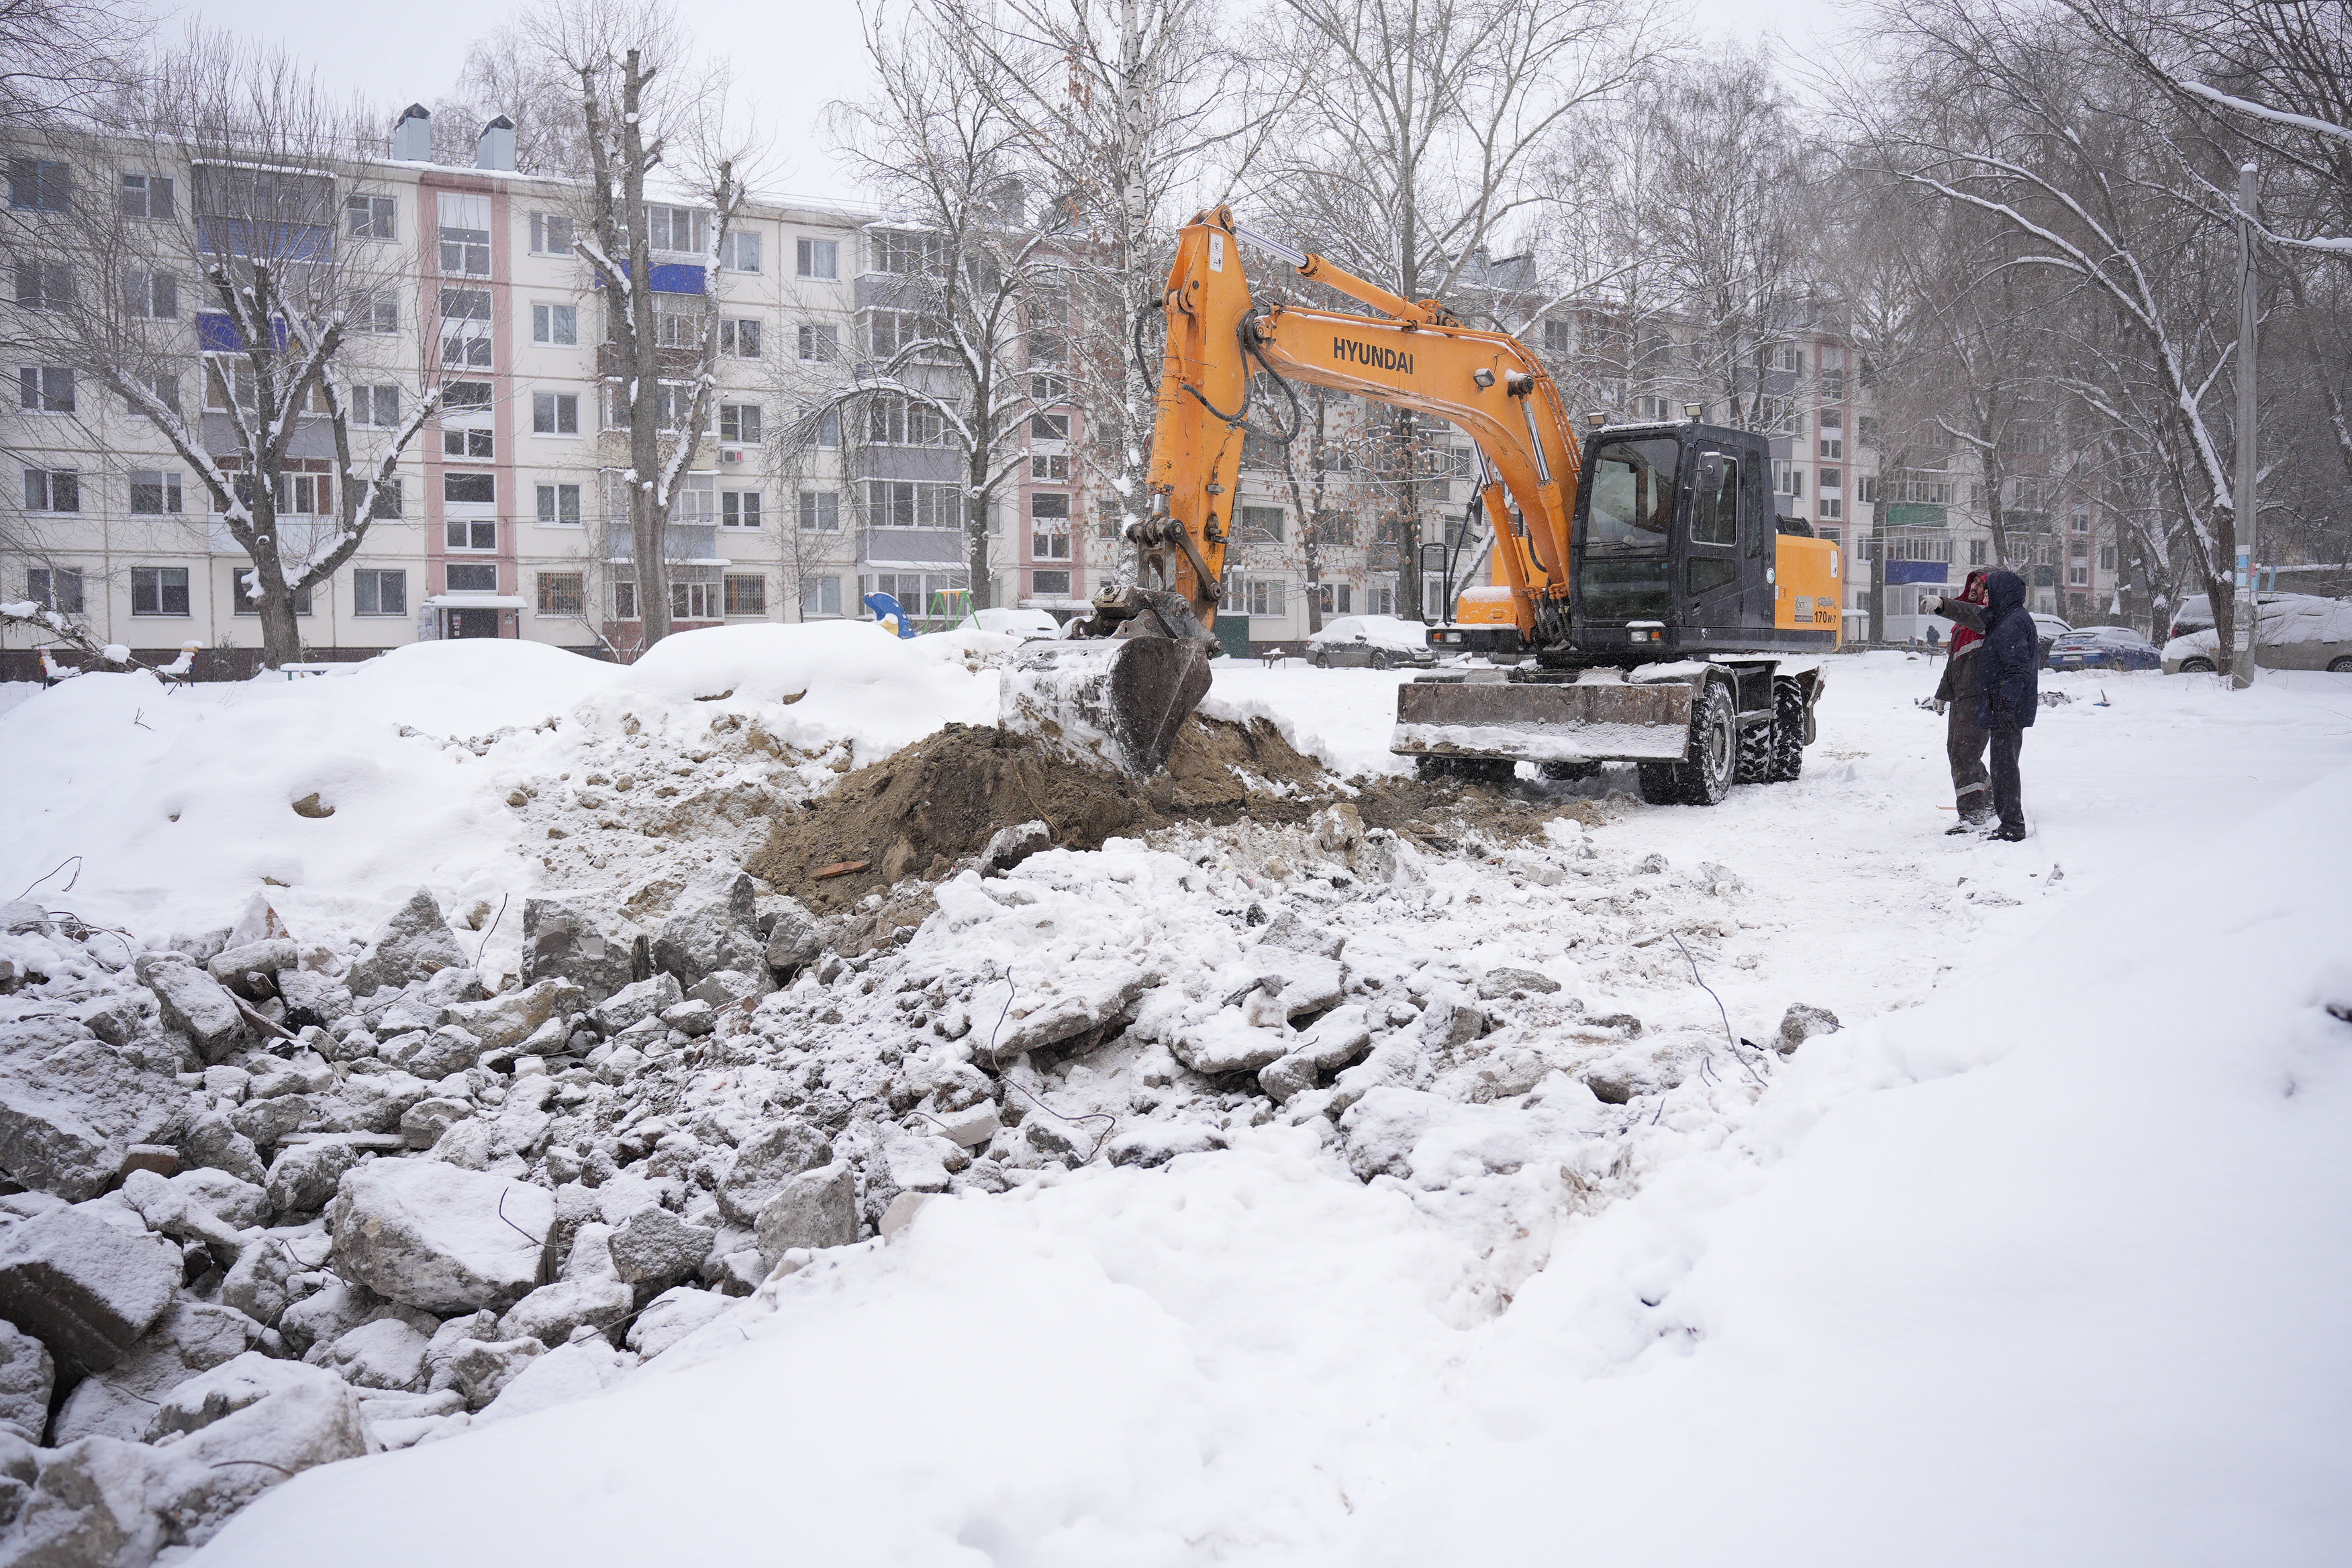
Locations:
(2248, 327)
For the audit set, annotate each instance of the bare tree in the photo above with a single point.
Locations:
(509, 73)
(1129, 113)
(1413, 138)
(648, 136)
(62, 58)
(972, 278)
(236, 246)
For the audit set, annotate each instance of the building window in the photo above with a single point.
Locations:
(902, 504)
(46, 388)
(624, 601)
(470, 489)
(466, 327)
(1559, 337)
(1832, 478)
(2078, 574)
(147, 195)
(375, 405)
(52, 489)
(555, 413)
(555, 324)
(820, 597)
(154, 492)
(1380, 599)
(740, 253)
(1787, 480)
(746, 595)
(676, 229)
(378, 312)
(1264, 520)
(894, 419)
(551, 234)
(1788, 357)
(465, 235)
(471, 579)
(1267, 596)
(371, 218)
(891, 333)
(1979, 552)
(468, 443)
(739, 422)
(45, 285)
(820, 258)
(159, 590)
(55, 588)
(387, 502)
(2107, 557)
(738, 509)
(694, 601)
(899, 251)
(828, 430)
(470, 535)
(2080, 522)
(819, 344)
(820, 511)
(1050, 584)
(739, 339)
(243, 601)
(1830, 508)
(696, 501)
(39, 186)
(1053, 467)
(558, 506)
(378, 592)
(1049, 427)
(561, 593)
(1834, 448)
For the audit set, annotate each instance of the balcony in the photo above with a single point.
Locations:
(685, 542)
(910, 548)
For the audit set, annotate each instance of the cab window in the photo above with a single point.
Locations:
(1631, 483)
(1715, 504)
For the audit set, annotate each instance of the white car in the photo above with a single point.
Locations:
(1375, 642)
(2298, 634)
(1013, 623)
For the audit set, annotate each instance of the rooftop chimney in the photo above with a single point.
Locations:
(496, 149)
(411, 138)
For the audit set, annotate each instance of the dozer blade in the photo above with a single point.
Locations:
(1533, 721)
(1109, 701)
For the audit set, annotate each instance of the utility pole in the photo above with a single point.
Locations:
(2248, 443)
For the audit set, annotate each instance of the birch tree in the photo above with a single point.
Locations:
(235, 257)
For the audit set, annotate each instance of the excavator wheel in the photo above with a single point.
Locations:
(1705, 777)
(1755, 764)
(1788, 731)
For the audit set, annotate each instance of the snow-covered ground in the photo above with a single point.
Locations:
(2036, 1259)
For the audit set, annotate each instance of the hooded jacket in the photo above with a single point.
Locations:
(1959, 679)
(2008, 677)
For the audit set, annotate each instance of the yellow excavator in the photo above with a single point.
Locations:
(1675, 621)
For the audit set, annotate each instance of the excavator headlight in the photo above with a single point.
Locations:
(1694, 412)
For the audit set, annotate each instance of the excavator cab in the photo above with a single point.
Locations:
(1675, 549)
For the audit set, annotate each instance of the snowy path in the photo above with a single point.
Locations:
(2038, 1260)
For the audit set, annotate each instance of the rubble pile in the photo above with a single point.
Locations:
(271, 1204)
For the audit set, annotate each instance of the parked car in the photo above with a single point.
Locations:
(1374, 642)
(1013, 623)
(2299, 634)
(2103, 647)
(2195, 612)
(2050, 628)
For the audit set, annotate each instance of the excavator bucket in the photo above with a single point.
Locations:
(1116, 702)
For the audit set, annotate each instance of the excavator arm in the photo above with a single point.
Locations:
(1411, 355)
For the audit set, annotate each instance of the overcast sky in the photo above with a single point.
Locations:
(789, 58)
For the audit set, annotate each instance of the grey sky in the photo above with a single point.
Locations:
(788, 58)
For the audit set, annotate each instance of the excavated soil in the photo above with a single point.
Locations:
(920, 811)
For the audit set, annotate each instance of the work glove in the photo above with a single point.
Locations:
(1937, 706)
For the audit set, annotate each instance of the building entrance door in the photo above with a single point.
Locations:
(473, 623)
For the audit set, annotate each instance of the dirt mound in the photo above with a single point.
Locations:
(922, 810)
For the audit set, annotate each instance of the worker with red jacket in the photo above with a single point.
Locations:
(1957, 698)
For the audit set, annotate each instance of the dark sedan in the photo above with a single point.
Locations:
(2103, 647)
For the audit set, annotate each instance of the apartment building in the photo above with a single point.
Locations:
(504, 518)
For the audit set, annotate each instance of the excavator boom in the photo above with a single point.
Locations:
(1667, 556)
